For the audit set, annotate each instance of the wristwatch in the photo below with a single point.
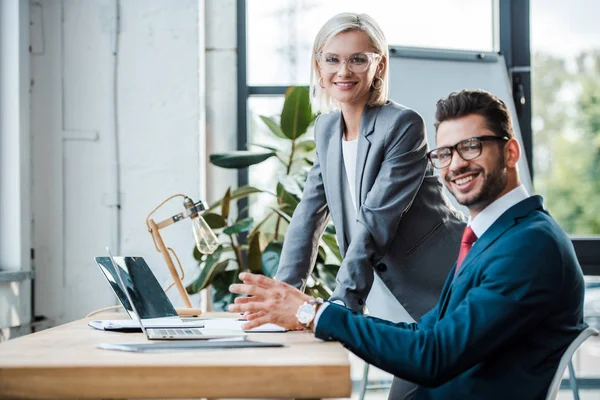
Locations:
(307, 311)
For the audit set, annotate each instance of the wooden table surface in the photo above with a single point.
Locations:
(64, 363)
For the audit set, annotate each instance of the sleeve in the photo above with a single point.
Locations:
(504, 306)
(398, 181)
(300, 247)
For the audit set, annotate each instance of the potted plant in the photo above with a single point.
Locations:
(255, 246)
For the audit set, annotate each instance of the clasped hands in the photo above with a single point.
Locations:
(268, 301)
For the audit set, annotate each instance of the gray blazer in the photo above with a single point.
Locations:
(405, 229)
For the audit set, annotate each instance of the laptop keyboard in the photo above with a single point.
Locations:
(177, 332)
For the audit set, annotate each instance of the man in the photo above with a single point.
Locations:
(511, 304)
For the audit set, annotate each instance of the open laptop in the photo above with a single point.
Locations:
(152, 303)
(130, 282)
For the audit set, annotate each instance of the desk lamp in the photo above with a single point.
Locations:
(206, 242)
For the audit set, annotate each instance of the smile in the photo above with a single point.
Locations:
(345, 85)
(462, 181)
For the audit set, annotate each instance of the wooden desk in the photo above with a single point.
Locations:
(63, 362)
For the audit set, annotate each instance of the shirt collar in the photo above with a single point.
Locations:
(491, 213)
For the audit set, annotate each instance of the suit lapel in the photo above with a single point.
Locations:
(335, 163)
(367, 126)
(502, 224)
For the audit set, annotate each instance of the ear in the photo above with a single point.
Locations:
(381, 67)
(512, 153)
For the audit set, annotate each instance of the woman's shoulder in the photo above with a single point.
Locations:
(395, 114)
(392, 109)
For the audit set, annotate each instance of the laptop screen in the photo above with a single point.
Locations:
(150, 299)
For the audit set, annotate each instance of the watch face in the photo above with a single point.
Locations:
(305, 314)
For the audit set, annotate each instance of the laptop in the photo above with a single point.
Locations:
(149, 298)
(130, 282)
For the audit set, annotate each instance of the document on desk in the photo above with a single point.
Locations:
(210, 344)
(232, 323)
(131, 325)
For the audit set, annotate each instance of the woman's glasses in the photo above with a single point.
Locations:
(357, 62)
(467, 149)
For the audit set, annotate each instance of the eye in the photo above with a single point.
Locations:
(331, 58)
(359, 58)
(469, 145)
(443, 154)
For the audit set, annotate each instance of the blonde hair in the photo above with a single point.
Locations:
(346, 22)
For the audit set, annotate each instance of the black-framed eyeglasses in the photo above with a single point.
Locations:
(467, 149)
(357, 62)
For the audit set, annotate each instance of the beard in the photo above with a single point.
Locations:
(494, 182)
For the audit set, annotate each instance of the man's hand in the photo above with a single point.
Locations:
(269, 301)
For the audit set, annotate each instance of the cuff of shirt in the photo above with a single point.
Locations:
(322, 308)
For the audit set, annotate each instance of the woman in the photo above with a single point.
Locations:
(398, 235)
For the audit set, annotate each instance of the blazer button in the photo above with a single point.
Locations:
(360, 302)
(381, 267)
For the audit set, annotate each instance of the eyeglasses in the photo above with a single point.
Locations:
(357, 62)
(467, 149)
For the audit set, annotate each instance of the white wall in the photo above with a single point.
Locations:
(15, 214)
(221, 90)
(145, 105)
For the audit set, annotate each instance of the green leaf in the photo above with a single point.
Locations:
(225, 202)
(242, 225)
(257, 227)
(282, 214)
(254, 255)
(321, 255)
(221, 296)
(291, 186)
(240, 158)
(284, 197)
(237, 194)
(319, 290)
(264, 146)
(330, 241)
(273, 127)
(211, 268)
(330, 229)
(296, 115)
(327, 273)
(270, 258)
(215, 221)
(306, 146)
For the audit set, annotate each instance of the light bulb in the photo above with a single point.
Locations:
(206, 241)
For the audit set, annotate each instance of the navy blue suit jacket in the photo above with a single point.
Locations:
(500, 326)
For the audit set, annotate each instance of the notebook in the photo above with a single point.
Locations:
(152, 303)
(131, 281)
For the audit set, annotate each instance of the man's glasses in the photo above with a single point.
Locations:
(357, 62)
(467, 149)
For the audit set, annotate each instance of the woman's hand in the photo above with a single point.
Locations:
(269, 301)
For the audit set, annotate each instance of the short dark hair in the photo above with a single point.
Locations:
(468, 102)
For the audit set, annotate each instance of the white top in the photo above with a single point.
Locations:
(381, 303)
(349, 150)
(479, 224)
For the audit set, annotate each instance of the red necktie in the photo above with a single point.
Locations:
(466, 242)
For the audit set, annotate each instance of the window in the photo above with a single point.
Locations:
(566, 110)
(281, 32)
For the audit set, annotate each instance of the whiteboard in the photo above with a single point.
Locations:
(418, 79)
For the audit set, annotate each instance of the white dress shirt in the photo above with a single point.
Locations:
(479, 224)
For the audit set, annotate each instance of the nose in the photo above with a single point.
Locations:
(457, 162)
(344, 70)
